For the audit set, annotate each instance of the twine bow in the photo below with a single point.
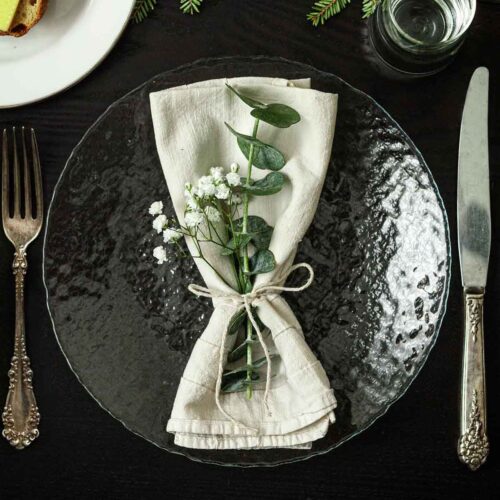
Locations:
(245, 301)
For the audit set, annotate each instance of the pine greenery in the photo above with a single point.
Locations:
(322, 10)
(369, 7)
(191, 6)
(142, 9)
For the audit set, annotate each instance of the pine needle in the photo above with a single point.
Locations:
(323, 10)
(370, 6)
(190, 6)
(142, 9)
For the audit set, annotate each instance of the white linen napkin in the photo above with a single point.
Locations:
(191, 137)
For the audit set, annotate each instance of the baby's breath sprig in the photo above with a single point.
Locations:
(217, 212)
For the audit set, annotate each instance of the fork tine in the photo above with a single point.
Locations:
(17, 179)
(27, 179)
(37, 173)
(5, 176)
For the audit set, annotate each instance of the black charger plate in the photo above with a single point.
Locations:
(379, 244)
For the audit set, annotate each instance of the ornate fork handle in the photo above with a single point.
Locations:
(20, 416)
(473, 445)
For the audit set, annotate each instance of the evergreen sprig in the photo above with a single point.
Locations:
(323, 10)
(370, 6)
(191, 6)
(142, 9)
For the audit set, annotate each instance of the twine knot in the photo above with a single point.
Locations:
(246, 301)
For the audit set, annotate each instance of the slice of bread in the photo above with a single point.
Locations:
(28, 13)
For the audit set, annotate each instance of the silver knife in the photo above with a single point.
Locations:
(474, 238)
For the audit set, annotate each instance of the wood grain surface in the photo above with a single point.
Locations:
(410, 453)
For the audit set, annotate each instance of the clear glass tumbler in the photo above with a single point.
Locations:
(420, 37)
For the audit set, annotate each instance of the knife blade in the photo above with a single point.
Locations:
(473, 202)
(474, 240)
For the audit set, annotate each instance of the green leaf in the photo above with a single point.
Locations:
(258, 363)
(237, 382)
(239, 241)
(265, 157)
(262, 262)
(278, 115)
(237, 322)
(260, 231)
(247, 100)
(270, 184)
(240, 351)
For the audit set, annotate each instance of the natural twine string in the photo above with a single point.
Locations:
(245, 301)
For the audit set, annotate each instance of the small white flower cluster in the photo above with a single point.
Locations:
(160, 225)
(212, 187)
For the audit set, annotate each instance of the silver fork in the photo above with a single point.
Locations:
(20, 416)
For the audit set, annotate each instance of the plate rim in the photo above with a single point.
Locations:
(84, 74)
(269, 59)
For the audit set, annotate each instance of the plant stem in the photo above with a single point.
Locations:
(249, 327)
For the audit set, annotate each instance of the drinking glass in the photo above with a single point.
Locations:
(420, 37)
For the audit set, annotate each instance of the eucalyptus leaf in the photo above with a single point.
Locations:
(278, 115)
(237, 322)
(265, 157)
(240, 351)
(262, 262)
(258, 363)
(270, 184)
(237, 382)
(239, 241)
(247, 100)
(259, 229)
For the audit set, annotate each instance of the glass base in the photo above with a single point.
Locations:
(399, 59)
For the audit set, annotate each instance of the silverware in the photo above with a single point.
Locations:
(22, 220)
(474, 238)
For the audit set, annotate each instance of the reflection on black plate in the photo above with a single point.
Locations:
(379, 245)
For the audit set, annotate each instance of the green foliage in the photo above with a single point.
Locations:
(277, 115)
(323, 10)
(264, 157)
(370, 6)
(190, 6)
(271, 184)
(259, 229)
(262, 262)
(142, 9)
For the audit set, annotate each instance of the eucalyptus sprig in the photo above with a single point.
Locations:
(217, 213)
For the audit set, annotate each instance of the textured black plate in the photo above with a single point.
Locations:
(379, 244)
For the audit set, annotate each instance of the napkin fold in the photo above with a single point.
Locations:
(191, 137)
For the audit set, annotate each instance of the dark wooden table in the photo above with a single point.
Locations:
(410, 453)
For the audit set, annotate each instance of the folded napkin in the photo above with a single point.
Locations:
(191, 137)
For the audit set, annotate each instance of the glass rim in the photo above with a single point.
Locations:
(437, 46)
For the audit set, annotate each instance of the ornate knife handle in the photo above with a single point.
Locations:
(473, 445)
(20, 416)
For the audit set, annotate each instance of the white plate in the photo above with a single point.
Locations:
(72, 38)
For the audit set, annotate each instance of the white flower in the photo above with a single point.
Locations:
(193, 219)
(159, 223)
(233, 179)
(236, 199)
(171, 235)
(234, 168)
(192, 203)
(160, 254)
(156, 208)
(213, 215)
(222, 192)
(206, 185)
(217, 173)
